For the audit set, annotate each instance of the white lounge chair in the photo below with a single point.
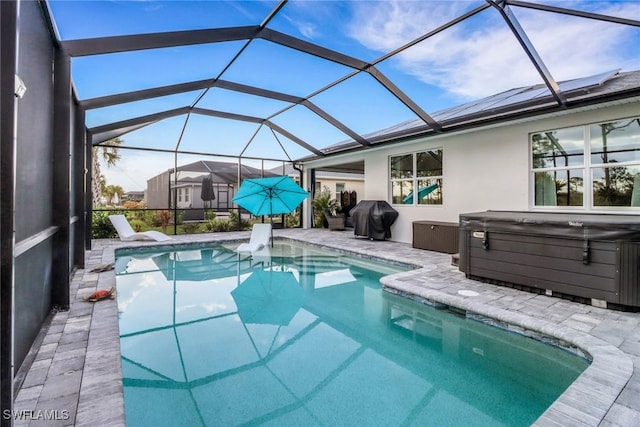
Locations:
(259, 240)
(127, 234)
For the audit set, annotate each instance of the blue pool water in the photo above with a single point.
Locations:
(308, 338)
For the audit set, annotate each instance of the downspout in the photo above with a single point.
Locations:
(300, 176)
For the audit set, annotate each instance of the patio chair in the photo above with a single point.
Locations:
(127, 234)
(336, 222)
(259, 239)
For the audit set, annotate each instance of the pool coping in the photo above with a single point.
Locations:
(99, 398)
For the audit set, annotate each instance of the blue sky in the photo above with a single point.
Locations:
(478, 58)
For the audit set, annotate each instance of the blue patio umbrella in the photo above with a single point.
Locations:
(270, 196)
(268, 297)
(422, 193)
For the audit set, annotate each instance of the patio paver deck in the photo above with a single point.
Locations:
(76, 367)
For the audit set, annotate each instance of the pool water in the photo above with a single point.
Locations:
(308, 338)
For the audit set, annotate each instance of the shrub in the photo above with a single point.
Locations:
(137, 225)
(101, 227)
(217, 225)
(236, 222)
(323, 200)
(190, 227)
(164, 219)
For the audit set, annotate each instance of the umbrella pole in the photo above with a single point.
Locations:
(271, 213)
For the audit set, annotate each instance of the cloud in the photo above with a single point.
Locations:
(482, 57)
(135, 167)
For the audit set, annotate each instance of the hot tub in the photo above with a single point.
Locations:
(590, 256)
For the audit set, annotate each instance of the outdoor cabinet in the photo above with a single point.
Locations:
(436, 236)
(591, 256)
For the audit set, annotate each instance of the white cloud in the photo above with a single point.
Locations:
(483, 57)
(135, 167)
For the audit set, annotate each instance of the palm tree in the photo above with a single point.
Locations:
(110, 155)
(111, 191)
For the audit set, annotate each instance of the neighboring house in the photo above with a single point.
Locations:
(134, 196)
(187, 190)
(585, 159)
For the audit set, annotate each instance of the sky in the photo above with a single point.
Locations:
(468, 61)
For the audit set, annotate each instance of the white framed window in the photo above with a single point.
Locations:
(186, 194)
(340, 187)
(416, 178)
(179, 194)
(595, 166)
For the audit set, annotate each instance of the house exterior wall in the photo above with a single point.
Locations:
(483, 169)
(356, 185)
(157, 192)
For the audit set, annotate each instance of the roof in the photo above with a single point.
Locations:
(220, 172)
(512, 103)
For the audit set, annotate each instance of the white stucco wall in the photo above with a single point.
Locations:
(483, 169)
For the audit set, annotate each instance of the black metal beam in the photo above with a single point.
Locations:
(88, 200)
(529, 49)
(310, 48)
(294, 138)
(406, 100)
(136, 121)
(77, 186)
(8, 27)
(326, 116)
(116, 44)
(432, 32)
(252, 90)
(226, 115)
(222, 84)
(573, 12)
(193, 153)
(138, 95)
(60, 274)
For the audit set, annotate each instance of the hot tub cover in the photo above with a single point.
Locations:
(568, 225)
(373, 219)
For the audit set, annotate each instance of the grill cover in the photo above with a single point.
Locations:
(373, 219)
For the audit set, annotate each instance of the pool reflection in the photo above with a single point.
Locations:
(299, 340)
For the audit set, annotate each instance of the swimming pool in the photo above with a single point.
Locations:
(319, 344)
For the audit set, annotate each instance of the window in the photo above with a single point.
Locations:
(340, 187)
(186, 194)
(179, 194)
(593, 166)
(417, 173)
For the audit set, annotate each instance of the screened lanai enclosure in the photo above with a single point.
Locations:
(265, 87)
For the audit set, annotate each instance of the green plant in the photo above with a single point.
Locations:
(323, 200)
(180, 217)
(209, 215)
(137, 224)
(217, 224)
(101, 227)
(190, 227)
(292, 220)
(164, 219)
(236, 222)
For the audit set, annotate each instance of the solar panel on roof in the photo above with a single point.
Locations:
(586, 82)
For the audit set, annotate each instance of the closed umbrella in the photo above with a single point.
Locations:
(206, 193)
(270, 196)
